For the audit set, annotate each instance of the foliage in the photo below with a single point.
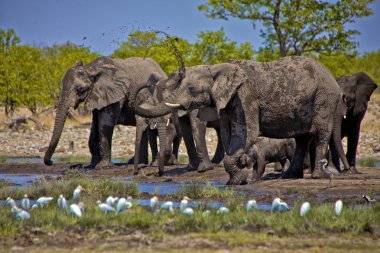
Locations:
(297, 27)
(8, 39)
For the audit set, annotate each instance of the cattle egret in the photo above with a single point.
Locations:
(168, 205)
(10, 202)
(121, 205)
(43, 201)
(25, 203)
(111, 201)
(75, 210)
(188, 211)
(20, 214)
(305, 208)
(105, 207)
(338, 207)
(279, 205)
(184, 203)
(62, 203)
(251, 204)
(223, 210)
(153, 204)
(34, 206)
(76, 193)
(128, 203)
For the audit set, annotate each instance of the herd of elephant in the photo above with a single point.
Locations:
(288, 109)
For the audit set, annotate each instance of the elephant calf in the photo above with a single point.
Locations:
(268, 150)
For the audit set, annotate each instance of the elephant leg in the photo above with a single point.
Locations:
(106, 124)
(295, 169)
(187, 134)
(352, 145)
(93, 141)
(141, 127)
(255, 171)
(260, 168)
(152, 137)
(219, 152)
(199, 132)
(176, 143)
(320, 153)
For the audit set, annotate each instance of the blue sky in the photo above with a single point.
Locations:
(106, 23)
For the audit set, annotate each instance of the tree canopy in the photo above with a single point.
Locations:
(295, 27)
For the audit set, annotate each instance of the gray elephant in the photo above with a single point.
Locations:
(245, 95)
(356, 90)
(268, 150)
(103, 85)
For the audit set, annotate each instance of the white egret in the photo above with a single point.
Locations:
(105, 207)
(188, 211)
(20, 214)
(76, 193)
(43, 201)
(34, 206)
(168, 205)
(305, 208)
(184, 203)
(121, 205)
(111, 201)
(251, 204)
(25, 203)
(279, 205)
(338, 207)
(128, 203)
(62, 203)
(10, 202)
(153, 204)
(223, 210)
(329, 170)
(76, 210)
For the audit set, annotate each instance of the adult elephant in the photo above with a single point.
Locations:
(293, 97)
(357, 90)
(190, 127)
(103, 85)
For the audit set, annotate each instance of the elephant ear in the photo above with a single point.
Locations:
(364, 89)
(227, 78)
(109, 85)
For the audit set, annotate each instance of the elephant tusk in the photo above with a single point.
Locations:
(167, 122)
(344, 117)
(173, 105)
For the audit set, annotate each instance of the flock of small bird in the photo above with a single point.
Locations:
(117, 206)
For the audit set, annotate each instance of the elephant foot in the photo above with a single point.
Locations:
(216, 160)
(320, 174)
(238, 178)
(291, 174)
(190, 167)
(352, 170)
(205, 166)
(170, 160)
(103, 164)
(154, 163)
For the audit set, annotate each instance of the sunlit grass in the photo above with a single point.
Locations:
(366, 162)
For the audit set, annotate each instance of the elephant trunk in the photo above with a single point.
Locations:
(161, 127)
(156, 111)
(134, 91)
(337, 134)
(59, 122)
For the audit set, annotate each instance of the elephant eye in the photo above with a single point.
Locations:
(192, 90)
(81, 90)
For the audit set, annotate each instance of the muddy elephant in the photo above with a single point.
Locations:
(293, 97)
(356, 90)
(191, 128)
(268, 150)
(103, 85)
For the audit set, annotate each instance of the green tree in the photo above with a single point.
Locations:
(295, 27)
(8, 39)
(215, 47)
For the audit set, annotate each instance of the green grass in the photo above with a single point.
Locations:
(366, 162)
(3, 159)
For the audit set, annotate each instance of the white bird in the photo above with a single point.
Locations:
(34, 206)
(305, 208)
(153, 202)
(20, 214)
(279, 205)
(338, 207)
(43, 201)
(329, 170)
(223, 210)
(184, 203)
(206, 213)
(10, 202)
(111, 201)
(168, 205)
(188, 211)
(105, 207)
(62, 203)
(25, 203)
(76, 193)
(121, 205)
(128, 203)
(251, 204)
(76, 210)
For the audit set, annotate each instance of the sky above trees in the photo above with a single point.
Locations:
(102, 25)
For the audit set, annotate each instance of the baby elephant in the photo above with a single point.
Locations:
(267, 150)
